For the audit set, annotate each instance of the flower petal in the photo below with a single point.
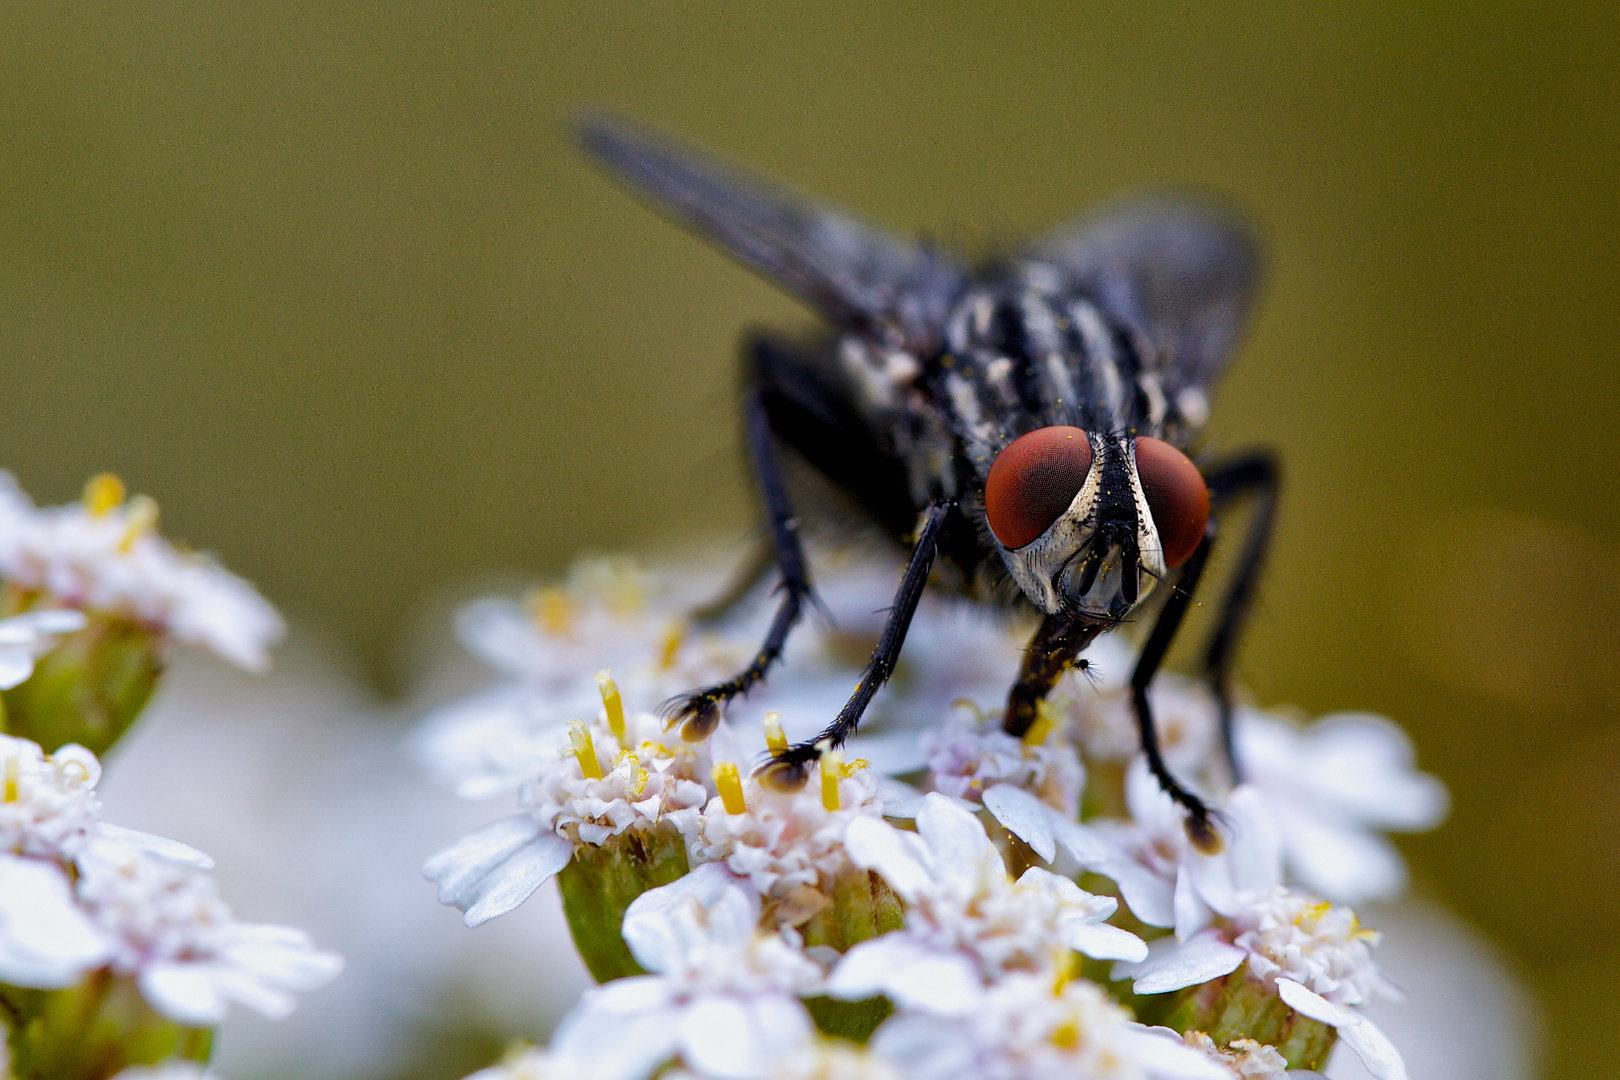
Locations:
(516, 879)
(1103, 942)
(657, 924)
(1162, 1054)
(1025, 816)
(915, 977)
(957, 842)
(1171, 964)
(161, 846)
(1360, 1034)
(876, 845)
(46, 942)
(460, 867)
(186, 992)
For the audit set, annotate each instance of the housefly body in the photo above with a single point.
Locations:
(1022, 428)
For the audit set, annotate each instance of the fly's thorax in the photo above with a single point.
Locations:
(1102, 555)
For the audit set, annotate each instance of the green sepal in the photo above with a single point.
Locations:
(89, 689)
(92, 1031)
(599, 883)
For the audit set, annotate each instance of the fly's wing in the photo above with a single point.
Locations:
(858, 277)
(1182, 273)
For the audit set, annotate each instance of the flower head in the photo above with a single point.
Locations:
(167, 927)
(723, 997)
(968, 922)
(1027, 1028)
(48, 804)
(104, 556)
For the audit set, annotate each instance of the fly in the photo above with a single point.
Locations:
(1021, 427)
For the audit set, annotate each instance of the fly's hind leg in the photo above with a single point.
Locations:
(698, 713)
(1257, 474)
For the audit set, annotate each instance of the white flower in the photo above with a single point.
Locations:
(169, 1070)
(724, 997)
(1333, 787)
(967, 921)
(967, 757)
(1246, 1058)
(108, 558)
(48, 804)
(824, 1059)
(25, 638)
(640, 785)
(169, 929)
(46, 942)
(1026, 1029)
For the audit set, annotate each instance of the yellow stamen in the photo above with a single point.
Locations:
(579, 739)
(103, 494)
(1067, 1035)
(614, 703)
(550, 609)
(830, 761)
(850, 768)
(13, 776)
(730, 785)
(142, 518)
(1045, 721)
(674, 638)
(775, 737)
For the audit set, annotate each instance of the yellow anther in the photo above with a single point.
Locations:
(730, 787)
(775, 737)
(552, 610)
(1066, 1035)
(674, 638)
(142, 518)
(850, 768)
(1045, 721)
(614, 703)
(103, 494)
(830, 761)
(13, 777)
(971, 706)
(579, 740)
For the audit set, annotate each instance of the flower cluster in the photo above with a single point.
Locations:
(115, 947)
(938, 903)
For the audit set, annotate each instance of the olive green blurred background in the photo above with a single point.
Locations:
(328, 282)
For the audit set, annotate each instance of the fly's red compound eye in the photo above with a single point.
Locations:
(1033, 481)
(1176, 496)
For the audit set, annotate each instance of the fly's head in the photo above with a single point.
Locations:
(1087, 523)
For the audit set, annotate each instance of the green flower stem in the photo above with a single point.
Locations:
(599, 883)
(92, 1031)
(863, 906)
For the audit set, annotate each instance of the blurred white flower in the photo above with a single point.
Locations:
(25, 638)
(1247, 1059)
(167, 927)
(1026, 1028)
(724, 997)
(48, 804)
(966, 756)
(46, 941)
(104, 555)
(823, 1059)
(967, 921)
(168, 1070)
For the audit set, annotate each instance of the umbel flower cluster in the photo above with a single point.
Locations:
(941, 900)
(116, 951)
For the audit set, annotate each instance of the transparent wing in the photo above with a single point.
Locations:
(1182, 272)
(857, 276)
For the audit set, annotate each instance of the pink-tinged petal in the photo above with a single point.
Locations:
(187, 992)
(956, 839)
(1171, 964)
(876, 845)
(1025, 816)
(1164, 1056)
(912, 976)
(1372, 1046)
(1103, 942)
(516, 879)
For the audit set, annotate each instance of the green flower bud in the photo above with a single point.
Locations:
(599, 883)
(92, 1031)
(1243, 1006)
(88, 689)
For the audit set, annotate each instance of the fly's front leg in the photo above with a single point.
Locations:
(1256, 474)
(1051, 652)
(791, 767)
(698, 713)
(1200, 826)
